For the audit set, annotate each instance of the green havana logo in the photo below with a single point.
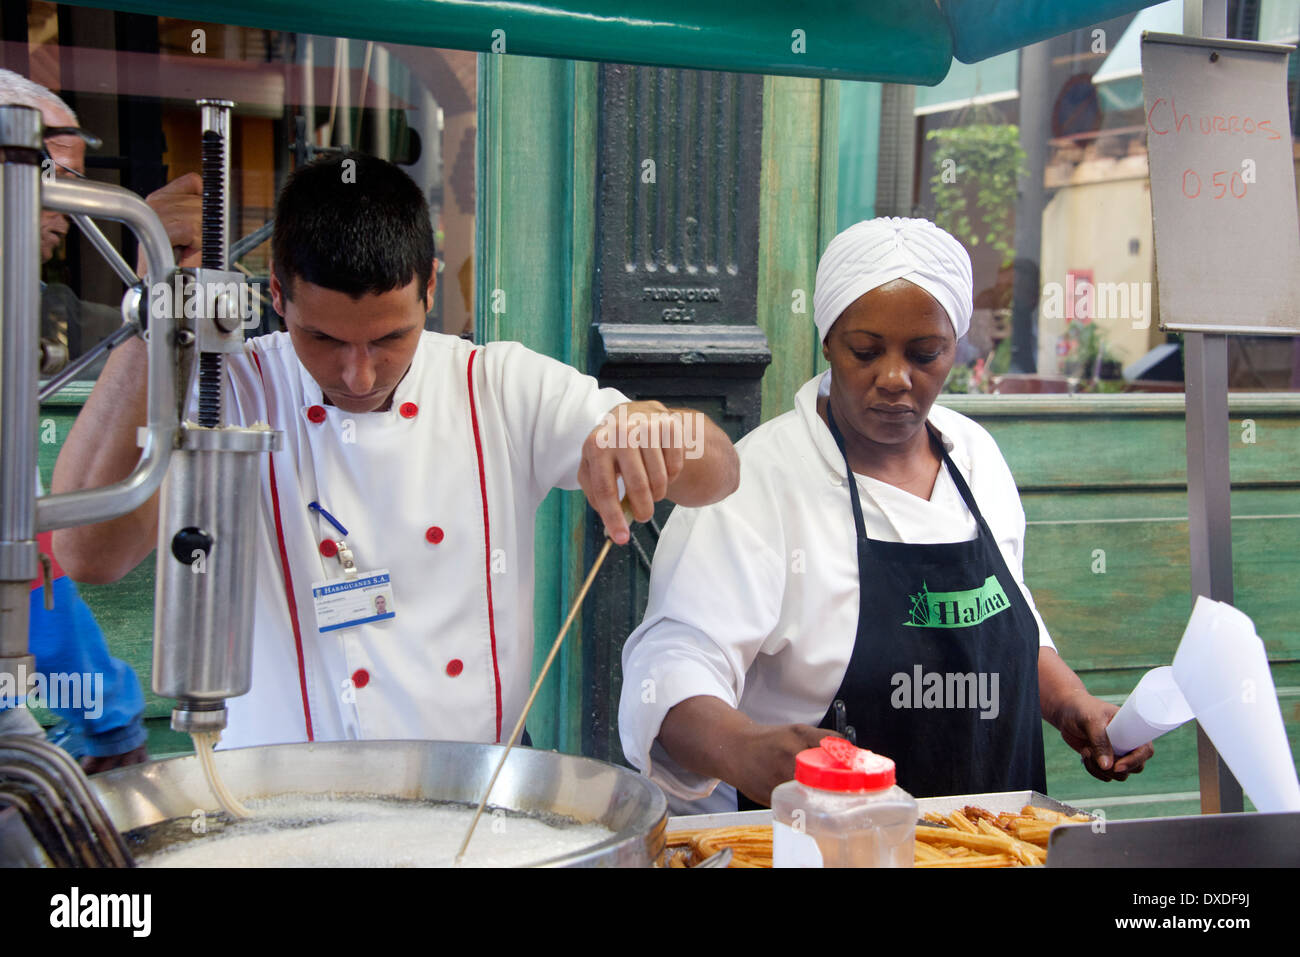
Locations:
(956, 609)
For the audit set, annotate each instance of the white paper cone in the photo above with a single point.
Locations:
(1155, 707)
(1222, 670)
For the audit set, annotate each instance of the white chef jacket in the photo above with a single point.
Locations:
(441, 490)
(754, 599)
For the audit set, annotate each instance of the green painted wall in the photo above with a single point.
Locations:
(858, 152)
(789, 223)
(536, 225)
(1105, 477)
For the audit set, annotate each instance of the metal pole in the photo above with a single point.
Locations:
(1205, 18)
(112, 341)
(20, 225)
(1035, 130)
(105, 249)
(1209, 485)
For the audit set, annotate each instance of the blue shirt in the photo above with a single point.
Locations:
(107, 710)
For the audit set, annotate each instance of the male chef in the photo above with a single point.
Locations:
(416, 458)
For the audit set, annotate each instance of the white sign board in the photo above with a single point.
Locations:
(1223, 193)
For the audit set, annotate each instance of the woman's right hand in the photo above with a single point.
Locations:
(706, 735)
(764, 757)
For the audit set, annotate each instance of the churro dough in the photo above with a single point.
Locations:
(204, 742)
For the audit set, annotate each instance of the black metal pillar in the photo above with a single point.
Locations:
(675, 307)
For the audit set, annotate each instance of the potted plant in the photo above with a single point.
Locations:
(977, 169)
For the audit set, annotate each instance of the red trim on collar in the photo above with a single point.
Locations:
(487, 534)
(288, 577)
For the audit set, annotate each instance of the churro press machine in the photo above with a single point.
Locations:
(207, 526)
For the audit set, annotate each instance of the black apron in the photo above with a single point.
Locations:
(936, 624)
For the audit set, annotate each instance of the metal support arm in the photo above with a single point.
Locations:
(102, 201)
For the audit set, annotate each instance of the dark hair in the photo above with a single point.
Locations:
(352, 223)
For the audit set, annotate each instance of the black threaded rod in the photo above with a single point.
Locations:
(214, 200)
(214, 257)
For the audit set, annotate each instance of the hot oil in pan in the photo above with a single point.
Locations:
(359, 831)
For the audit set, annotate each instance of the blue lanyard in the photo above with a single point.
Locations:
(344, 554)
(316, 507)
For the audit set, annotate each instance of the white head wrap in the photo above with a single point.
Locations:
(876, 251)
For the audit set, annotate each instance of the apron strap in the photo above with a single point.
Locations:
(858, 522)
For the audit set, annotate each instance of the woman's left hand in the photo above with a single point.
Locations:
(1082, 721)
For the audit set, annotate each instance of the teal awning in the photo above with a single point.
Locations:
(898, 41)
(904, 41)
(985, 28)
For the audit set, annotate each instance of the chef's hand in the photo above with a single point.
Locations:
(764, 757)
(641, 443)
(706, 735)
(108, 762)
(1083, 721)
(179, 205)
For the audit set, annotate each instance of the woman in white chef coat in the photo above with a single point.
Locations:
(891, 608)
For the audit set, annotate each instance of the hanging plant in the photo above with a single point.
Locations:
(983, 161)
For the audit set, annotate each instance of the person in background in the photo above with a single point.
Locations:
(105, 728)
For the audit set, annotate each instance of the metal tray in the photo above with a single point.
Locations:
(995, 802)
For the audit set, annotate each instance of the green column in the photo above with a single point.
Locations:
(535, 223)
(859, 152)
(797, 211)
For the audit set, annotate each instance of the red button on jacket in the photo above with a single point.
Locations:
(316, 414)
(433, 534)
(328, 547)
(408, 410)
(360, 678)
(455, 667)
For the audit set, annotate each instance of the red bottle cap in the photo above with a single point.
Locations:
(839, 766)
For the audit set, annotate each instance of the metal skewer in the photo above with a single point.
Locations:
(537, 685)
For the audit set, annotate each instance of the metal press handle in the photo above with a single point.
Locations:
(88, 506)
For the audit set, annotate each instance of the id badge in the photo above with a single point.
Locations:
(357, 601)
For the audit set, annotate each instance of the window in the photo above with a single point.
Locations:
(1066, 300)
(133, 81)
